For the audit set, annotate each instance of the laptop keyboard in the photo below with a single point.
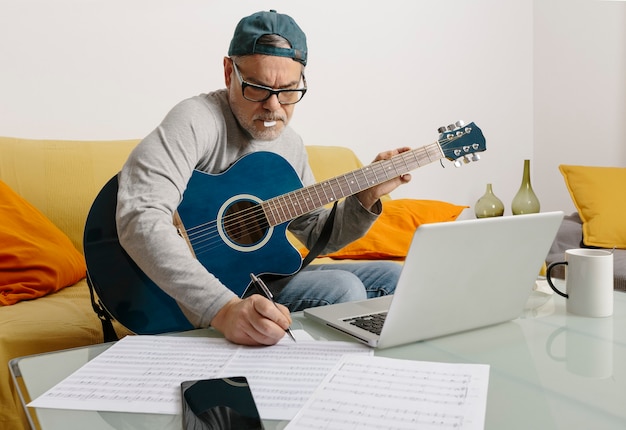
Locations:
(372, 323)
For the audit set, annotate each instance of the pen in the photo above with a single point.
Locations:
(267, 293)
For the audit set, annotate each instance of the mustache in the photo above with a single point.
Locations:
(270, 118)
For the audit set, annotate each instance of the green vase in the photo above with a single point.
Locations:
(488, 205)
(525, 201)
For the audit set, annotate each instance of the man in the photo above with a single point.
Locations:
(264, 76)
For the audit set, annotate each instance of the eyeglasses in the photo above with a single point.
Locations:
(259, 93)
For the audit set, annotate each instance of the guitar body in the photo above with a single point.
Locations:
(134, 300)
(227, 252)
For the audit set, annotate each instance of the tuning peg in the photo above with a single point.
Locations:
(467, 159)
(476, 157)
(457, 163)
(460, 123)
(451, 127)
(442, 129)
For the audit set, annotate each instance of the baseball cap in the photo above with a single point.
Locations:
(252, 27)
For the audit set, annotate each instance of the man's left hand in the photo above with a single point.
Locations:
(370, 196)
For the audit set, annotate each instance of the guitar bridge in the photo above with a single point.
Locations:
(182, 232)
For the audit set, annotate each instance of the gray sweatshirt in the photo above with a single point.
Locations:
(202, 133)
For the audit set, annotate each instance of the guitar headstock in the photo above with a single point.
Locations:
(461, 143)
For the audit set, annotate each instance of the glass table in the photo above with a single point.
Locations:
(548, 370)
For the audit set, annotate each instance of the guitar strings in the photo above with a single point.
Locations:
(255, 213)
(253, 221)
(203, 236)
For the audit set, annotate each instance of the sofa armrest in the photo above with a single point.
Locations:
(569, 236)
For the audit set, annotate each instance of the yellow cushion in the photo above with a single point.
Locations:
(600, 198)
(330, 161)
(36, 258)
(61, 178)
(391, 234)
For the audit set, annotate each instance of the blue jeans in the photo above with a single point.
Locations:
(324, 284)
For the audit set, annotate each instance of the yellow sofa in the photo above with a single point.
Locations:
(61, 179)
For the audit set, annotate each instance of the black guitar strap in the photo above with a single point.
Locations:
(275, 282)
(104, 316)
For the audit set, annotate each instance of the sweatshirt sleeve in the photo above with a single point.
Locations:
(151, 185)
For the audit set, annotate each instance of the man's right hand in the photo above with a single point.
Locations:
(252, 321)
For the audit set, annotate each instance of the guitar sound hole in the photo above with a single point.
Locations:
(244, 224)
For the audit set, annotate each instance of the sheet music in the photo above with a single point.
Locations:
(378, 392)
(143, 373)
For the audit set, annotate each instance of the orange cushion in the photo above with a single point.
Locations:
(390, 236)
(36, 258)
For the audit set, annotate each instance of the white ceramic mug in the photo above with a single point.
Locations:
(588, 281)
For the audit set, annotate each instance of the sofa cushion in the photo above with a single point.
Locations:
(61, 178)
(36, 258)
(60, 320)
(390, 236)
(330, 161)
(598, 194)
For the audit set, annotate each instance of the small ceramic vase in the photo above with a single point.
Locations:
(525, 201)
(488, 205)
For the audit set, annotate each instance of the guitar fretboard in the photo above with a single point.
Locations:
(304, 200)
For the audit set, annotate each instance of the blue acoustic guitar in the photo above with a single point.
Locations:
(235, 224)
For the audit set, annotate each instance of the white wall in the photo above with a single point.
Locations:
(381, 75)
(580, 92)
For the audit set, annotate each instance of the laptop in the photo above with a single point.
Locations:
(457, 276)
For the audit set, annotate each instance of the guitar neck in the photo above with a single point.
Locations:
(289, 206)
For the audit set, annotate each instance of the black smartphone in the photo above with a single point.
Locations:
(219, 404)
